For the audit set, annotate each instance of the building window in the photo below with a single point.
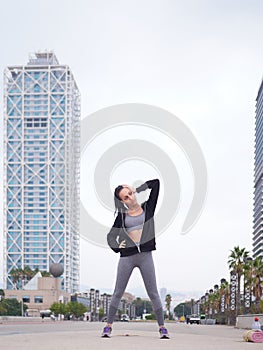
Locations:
(38, 299)
(26, 298)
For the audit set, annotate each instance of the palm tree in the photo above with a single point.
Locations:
(224, 295)
(19, 275)
(215, 300)
(28, 273)
(15, 274)
(22, 277)
(257, 280)
(202, 304)
(45, 274)
(168, 300)
(236, 261)
(224, 288)
(248, 281)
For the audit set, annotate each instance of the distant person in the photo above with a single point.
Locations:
(43, 316)
(133, 236)
(256, 324)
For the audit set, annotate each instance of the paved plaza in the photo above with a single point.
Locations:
(126, 335)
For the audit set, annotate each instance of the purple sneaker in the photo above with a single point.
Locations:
(163, 333)
(106, 332)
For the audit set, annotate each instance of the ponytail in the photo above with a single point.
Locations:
(119, 206)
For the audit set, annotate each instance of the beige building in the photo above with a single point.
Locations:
(39, 294)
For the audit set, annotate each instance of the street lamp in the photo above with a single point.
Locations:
(22, 307)
(183, 309)
(22, 301)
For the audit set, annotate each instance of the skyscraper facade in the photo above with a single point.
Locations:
(258, 178)
(41, 168)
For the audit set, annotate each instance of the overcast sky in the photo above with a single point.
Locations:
(200, 60)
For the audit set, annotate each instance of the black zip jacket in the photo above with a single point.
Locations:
(118, 232)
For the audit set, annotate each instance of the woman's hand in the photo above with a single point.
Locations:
(122, 244)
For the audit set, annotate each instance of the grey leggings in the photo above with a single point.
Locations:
(144, 262)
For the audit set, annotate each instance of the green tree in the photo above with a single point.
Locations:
(257, 281)
(236, 262)
(11, 307)
(152, 316)
(141, 305)
(183, 309)
(58, 309)
(101, 313)
(76, 309)
(3, 309)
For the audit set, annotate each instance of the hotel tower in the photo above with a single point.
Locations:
(41, 168)
(258, 178)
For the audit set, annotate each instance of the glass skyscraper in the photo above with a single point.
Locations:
(41, 168)
(258, 178)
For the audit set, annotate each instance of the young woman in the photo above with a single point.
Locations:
(133, 236)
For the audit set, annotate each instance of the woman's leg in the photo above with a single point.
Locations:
(124, 271)
(148, 274)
